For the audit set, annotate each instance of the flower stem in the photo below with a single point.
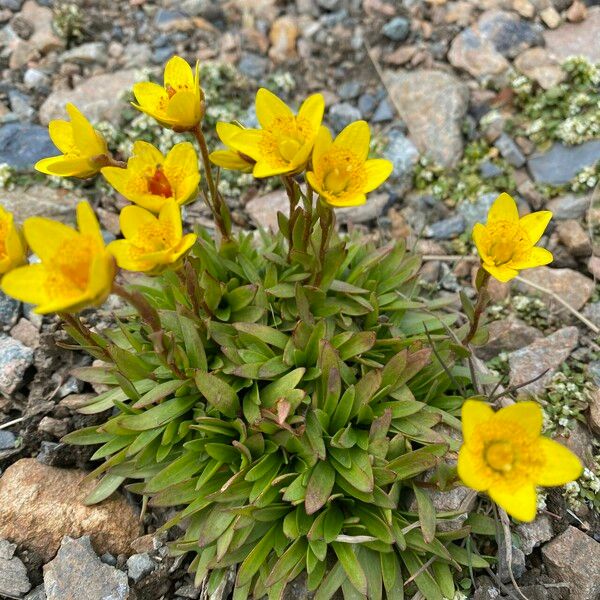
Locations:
(327, 221)
(216, 204)
(483, 298)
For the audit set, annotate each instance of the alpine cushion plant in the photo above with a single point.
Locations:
(293, 394)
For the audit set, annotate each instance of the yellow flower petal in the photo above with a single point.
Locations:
(312, 110)
(178, 74)
(46, 237)
(170, 219)
(117, 177)
(86, 138)
(535, 258)
(527, 414)
(503, 209)
(482, 241)
(471, 470)
(61, 134)
(183, 111)
(561, 464)
(248, 141)
(473, 414)
(264, 169)
(520, 503)
(535, 224)
(149, 95)
(147, 153)
(269, 107)
(227, 131)
(181, 169)
(127, 258)
(134, 218)
(377, 170)
(26, 284)
(66, 167)
(229, 159)
(345, 201)
(87, 223)
(355, 137)
(503, 273)
(102, 274)
(323, 142)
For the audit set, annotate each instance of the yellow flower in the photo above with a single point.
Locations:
(150, 242)
(76, 271)
(284, 143)
(152, 179)
(83, 149)
(178, 105)
(341, 173)
(231, 158)
(12, 246)
(505, 455)
(506, 244)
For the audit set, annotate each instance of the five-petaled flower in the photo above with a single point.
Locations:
(506, 243)
(84, 150)
(505, 455)
(12, 246)
(151, 179)
(341, 173)
(76, 271)
(151, 242)
(179, 104)
(231, 158)
(284, 143)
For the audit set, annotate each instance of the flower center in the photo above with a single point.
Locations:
(288, 148)
(336, 180)
(509, 241)
(500, 456)
(69, 271)
(159, 185)
(153, 237)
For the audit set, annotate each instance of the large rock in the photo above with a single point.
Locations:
(476, 55)
(509, 34)
(15, 359)
(263, 209)
(561, 163)
(541, 358)
(576, 39)
(573, 287)
(23, 144)
(539, 65)
(40, 504)
(98, 98)
(568, 207)
(432, 104)
(40, 201)
(78, 574)
(14, 582)
(574, 557)
(508, 335)
(535, 533)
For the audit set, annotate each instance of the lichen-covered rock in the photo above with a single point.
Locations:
(40, 504)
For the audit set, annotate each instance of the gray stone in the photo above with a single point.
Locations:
(517, 564)
(367, 104)
(37, 593)
(574, 237)
(349, 89)
(432, 104)
(576, 39)
(476, 212)
(263, 209)
(507, 335)
(87, 54)
(164, 17)
(14, 5)
(594, 416)
(77, 563)
(538, 65)
(330, 4)
(385, 112)
(23, 144)
(561, 163)
(253, 65)
(342, 114)
(476, 55)
(573, 287)
(9, 311)
(370, 211)
(97, 97)
(568, 207)
(15, 359)
(8, 440)
(403, 154)
(535, 533)
(488, 169)
(509, 34)
(139, 565)
(542, 356)
(592, 312)
(14, 582)
(574, 557)
(35, 79)
(446, 228)
(398, 29)
(509, 150)
(20, 105)
(40, 201)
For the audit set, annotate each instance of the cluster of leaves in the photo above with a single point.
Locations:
(568, 112)
(466, 180)
(289, 412)
(69, 22)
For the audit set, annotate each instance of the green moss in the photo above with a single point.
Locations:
(69, 22)
(568, 112)
(465, 181)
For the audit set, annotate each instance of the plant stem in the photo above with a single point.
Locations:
(216, 204)
(482, 301)
(326, 218)
(75, 322)
(293, 195)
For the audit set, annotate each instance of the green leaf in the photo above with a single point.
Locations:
(159, 415)
(194, 348)
(88, 436)
(350, 564)
(411, 464)
(424, 581)
(108, 484)
(218, 393)
(266, 334)
(179, 470)
(258, 555)
(280, 388)
(481, 524)
(426, 510)
(320, 485)
(392, 575)
(463, 557)
(359, 343)
(289, 559)
(160, 392)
